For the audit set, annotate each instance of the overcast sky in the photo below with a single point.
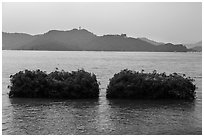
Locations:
(164, 22)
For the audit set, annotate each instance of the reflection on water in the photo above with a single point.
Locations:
(155, 117)
(40, 116)
(102, 116)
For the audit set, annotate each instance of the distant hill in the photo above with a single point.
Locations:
(197, 49)
(195, 46)
(15, 40)
(171, 48)
(151, 41)
(118, 43)
(77, 40)
(47, 44)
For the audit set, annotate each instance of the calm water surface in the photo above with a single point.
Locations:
(101, 116)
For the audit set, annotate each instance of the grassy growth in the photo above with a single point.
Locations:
(57, 84)
(140, 85)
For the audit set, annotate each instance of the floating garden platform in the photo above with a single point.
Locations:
(58, 84)
(129, 84)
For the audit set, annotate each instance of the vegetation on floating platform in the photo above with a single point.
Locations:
(139, 85)
(57, 84)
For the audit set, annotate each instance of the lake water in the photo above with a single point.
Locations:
(101, 116)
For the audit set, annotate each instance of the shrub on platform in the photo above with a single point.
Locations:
(57, 84)
(139, 85)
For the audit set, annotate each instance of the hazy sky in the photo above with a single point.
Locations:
(165, 22)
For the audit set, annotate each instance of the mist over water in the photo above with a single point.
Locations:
(101, 116)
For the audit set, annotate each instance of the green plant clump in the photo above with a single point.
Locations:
(139, 85)
(57, 84)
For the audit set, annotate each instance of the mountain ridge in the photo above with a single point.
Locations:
(82, 39)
